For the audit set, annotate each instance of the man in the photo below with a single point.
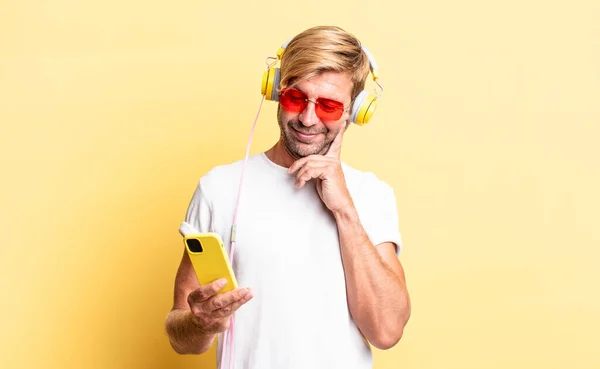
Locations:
(317, 241)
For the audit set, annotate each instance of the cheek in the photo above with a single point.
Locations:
(333, 130)
(285, 117)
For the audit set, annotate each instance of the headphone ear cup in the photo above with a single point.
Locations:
(270, 83)
(363, 108)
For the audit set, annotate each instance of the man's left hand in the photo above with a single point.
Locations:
(327, 170)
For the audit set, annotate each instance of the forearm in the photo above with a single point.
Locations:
(377, 297)
(185, 335)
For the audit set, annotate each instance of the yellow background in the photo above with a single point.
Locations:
(488, 130)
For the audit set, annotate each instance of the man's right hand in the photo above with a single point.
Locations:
(210, 310)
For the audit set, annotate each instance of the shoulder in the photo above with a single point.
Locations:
(375, 201)
(224, 179)
(365, 181)
(223, 174)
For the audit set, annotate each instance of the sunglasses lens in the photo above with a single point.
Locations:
(295, 101)
(329, 109)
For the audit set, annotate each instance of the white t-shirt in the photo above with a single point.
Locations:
(288, 253)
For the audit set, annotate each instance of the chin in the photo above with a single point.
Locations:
(302, 152)
(300, 149)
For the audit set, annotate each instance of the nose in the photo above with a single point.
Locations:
(308, 116)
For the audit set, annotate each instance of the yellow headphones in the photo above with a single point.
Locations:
(364, 104)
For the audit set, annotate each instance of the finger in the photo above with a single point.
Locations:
(203, 293)
(298, 164)
(226, 299)
(308, 174)
(303, 177)
(336, 146)
(304, 161)
(308, 170)
(234, 306)
(312, 165)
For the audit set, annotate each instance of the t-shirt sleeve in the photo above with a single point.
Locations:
(199, 215)
(381, 224)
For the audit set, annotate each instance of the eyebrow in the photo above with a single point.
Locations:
(299, 89)
(328, 98)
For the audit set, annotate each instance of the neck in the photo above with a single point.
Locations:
(279, 155)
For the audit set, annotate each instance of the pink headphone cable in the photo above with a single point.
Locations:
(228, 334)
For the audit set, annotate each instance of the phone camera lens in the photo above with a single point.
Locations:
(194, 245)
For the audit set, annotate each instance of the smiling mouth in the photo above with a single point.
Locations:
(305, 136)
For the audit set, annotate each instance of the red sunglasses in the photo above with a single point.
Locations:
(295, 101)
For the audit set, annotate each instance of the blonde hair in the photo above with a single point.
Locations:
(323, 49)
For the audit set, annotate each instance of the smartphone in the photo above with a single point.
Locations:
(209, 259)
